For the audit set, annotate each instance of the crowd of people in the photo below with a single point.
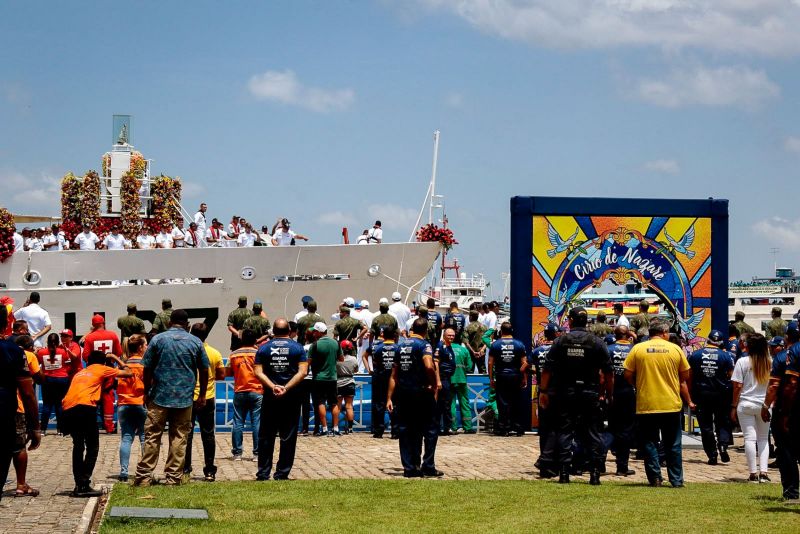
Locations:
(597, 391)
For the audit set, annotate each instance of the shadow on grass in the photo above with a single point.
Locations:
(794, 509)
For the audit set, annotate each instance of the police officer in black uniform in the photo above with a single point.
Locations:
(712, 367)
(622, 415)
(412, 387)
(576, 369)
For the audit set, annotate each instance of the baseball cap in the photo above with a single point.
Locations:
(67, 332)
(346, 344)
(166, 302)
(344, 309)
(349, 302)
(422, 309)
(365, 304)
(383, 300)
(98, 319)
(715, 336)
(306, 299)
(777, 341)
(396, 295)
(321, 327)
(131, 307)
(793, 327)
(243, 299)
(358, 305)
(576, 312)
(610, 339)
(551, 328)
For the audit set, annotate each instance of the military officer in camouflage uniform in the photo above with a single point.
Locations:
(161, 322)
(600, 328)
(130, 324)
(473, 340)
(642, 319)
(236, 321)
(382, 320)
(347, 327)
(777, 326)
(741, 326)
(307, 321)
(258, 323)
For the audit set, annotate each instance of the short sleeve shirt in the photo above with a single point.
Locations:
(280, 359)
(87, 386)
(657, 365)
(411, 374)
(145, 241)
(284, 238)
(619, 352)
(711, 368)
(87, 241)
(214, 363)
(323, 355)
(508, 356)
(13, 365)
(383, 356)
(164, 240)
(114, 242)
(174, 357)
(446, 358)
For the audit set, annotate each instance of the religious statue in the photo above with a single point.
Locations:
(123, 135)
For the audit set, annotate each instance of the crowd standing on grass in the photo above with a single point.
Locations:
(599, 389)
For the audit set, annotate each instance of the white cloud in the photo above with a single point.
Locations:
(192, 189)
(780, 231)
(454, 100)
(284, 87)
(792, 144)
(663, 166)
(393, 217)
(35, 194)
(337, 218)
(718, 87)
(760, 27)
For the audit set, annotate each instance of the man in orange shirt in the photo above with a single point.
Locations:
(248, 392)
(106, 342)
(80, 406)
(130, 404)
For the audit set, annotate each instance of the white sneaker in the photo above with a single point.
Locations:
(237, 458)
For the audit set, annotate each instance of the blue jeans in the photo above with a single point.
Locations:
(243, 403)
(131, 419)
(669, 426)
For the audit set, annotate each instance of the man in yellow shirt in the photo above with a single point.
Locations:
(205, 416)
(659, 371)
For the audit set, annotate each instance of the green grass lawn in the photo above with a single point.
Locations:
(455, 506)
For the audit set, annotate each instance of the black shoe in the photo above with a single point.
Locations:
(626, 472)
(547, 473)
(723, 455)
(563, 477)
(594, 477)
(122, 478)
(377, 436)
(445, 433)
(470, 431)
(656, 483)
(86, 491)
(712, 460)
(394, 436)
(433, 473)
(412, 474)
(773, 465)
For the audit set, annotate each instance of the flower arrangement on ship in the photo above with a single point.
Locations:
(6, 234)
(431, 232)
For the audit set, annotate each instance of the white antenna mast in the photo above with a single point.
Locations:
(430, 194)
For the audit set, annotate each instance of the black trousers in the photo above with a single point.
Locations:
(205, 418)
(548, 439)
(509, 395)
(622, 426)
(279, 415)
(82, 426)
(304, 394)
(787, 462)
(579, 416)
(417, 425)
(444, 415)
(713, 414)
(8, 434)
(380, 389)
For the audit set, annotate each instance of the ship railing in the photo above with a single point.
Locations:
(477, 283)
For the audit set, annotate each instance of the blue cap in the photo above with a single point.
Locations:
(610, 339)
(777, 341)
(715, 336)
(551, 328)
(358, 305)
(792, 327)
(306, 299)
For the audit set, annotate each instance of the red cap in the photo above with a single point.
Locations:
(346, 345)
(67, 332)
(98, 320)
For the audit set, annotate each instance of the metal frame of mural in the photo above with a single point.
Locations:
(561, 247)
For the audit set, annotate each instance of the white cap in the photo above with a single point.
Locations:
(349, 302)
(321, 327)
(396, 295)
(383, 300)
(365, 304)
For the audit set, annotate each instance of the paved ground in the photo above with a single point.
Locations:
(353, 456)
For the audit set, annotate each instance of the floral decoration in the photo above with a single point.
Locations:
(71, 193)
(166, 194)
(6, 234)
(131, 204)
(90, 205)
(431, 232)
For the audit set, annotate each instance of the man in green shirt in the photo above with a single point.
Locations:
(459, 389)
(382, 320)
(307, 321)
(130, 324)
(236, 321)
(347, 327)
(474, 341)
(161, 322)
(258, 323)
(600, 328)
(777, 326)
(322, 356)
(741, 326)
(641, 319)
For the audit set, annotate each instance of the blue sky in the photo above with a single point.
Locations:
(324, 111)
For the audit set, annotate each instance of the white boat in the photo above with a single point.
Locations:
(463, 289)
(757, 297)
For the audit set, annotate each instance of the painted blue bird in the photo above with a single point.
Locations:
(558, 244)
(689, 324)
(557, 306)
(683, 245)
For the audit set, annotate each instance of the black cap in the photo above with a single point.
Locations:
(610, 339)
(306, 299)
(551, 328)
(576, 312)
(715, 336)
(166, 302)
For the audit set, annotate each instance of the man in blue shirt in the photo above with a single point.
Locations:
(508, 363)
(383, 356)
(445, 360)
(412, 399)
(281, 366)
(456, 320)
(174, 360)
(546, 464)
(712, 389)
(622, 416)
(434, 323)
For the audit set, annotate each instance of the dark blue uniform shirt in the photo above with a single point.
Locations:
(13, 365)
(383, 354)
(537, 358)
(457, 321)
(447, 360)
(411, 375)
(618, 352)
(281, 359)
(711, 370)
(508, 356)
